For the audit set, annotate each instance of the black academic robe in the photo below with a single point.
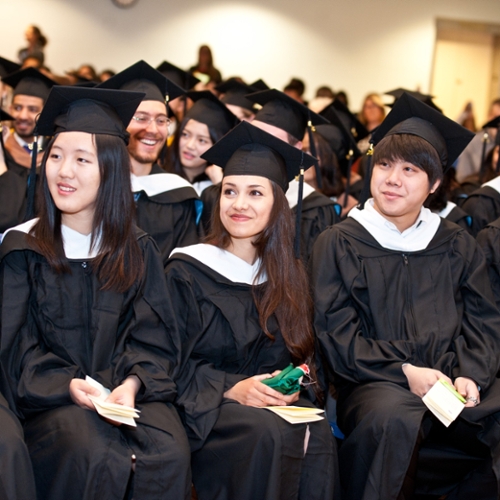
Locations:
(169, 217)
(56, 327)
(461, 218)
(376, 309)
(239, 452)
(489, 240)
(318, 213)
(13, 200)
(16, 473)
(483, 205)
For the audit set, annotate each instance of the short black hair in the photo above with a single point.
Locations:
(412, 149)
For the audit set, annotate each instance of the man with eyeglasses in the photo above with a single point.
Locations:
(167, 205)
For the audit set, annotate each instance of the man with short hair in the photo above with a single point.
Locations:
(167, 205)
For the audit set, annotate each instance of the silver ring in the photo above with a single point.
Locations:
(474, 400)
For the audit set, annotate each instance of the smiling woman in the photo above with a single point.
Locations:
(85, 295)
(244, 314)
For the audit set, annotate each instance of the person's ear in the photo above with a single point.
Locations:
(435, 186)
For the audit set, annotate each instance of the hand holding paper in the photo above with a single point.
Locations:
(444, 402)
(119, 413)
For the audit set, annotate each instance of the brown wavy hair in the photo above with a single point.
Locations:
(285, 295)
(119, 262)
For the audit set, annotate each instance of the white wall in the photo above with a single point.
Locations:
(356, 45)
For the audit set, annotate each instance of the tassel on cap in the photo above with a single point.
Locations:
(365, 193)
(312, 148)
(348, 177)
(298, 213)
(482, 169)
(30, 210)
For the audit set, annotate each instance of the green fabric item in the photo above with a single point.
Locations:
(287, 381)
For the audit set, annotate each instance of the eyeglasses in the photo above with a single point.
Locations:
(145, 120)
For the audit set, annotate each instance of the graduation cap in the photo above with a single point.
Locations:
(141, 77)
(7, 67)
(4, 116)
(413, 117)
(338, 113)
(181, 78)
(426, 98)
(209, 110)
(78, 109)
(259, 85)
(92, 110)
(30, 82)
(282, 111)
(235, 92)
(248, 150)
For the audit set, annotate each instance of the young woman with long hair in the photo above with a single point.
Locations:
(244, 312)
(83, 294)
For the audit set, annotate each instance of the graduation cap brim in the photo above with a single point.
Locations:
(248, 150)
(335, 119)
(91, 110)
(234, 93)
(454, 135)
(141, 77)
(259, 85)
(30, 82)
(7, 67)
(181, 78)
(282, 111)
(427, 98)
(350, 120)
(208, 109)
(494, 123)
(5, 116)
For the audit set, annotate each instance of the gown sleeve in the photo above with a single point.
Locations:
(152, 345)
(342, 335)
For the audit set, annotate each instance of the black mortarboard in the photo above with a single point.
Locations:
(248, 150)
(412, 116)
(283, 112)
(92, 110)
(426, 98)
(494, 123)
(338, 113)
(30, 82)
(209, 110)
(141, 77)
(4, 116)
(181, 78)
(7, 67)
(235, 92)
(259, 85)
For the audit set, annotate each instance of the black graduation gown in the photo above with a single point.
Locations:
(56, 327)
(318, 213)
(377, 309)
(461, 218)
(169, 217)
(239, 452)
(489, 240)
(12, 200)
(483, 205)
(16, 473)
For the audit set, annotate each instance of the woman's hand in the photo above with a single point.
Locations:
(252, 392)
(421, 380)
(79, 390)
(468, 389)
(214, 173)
(125, 393)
